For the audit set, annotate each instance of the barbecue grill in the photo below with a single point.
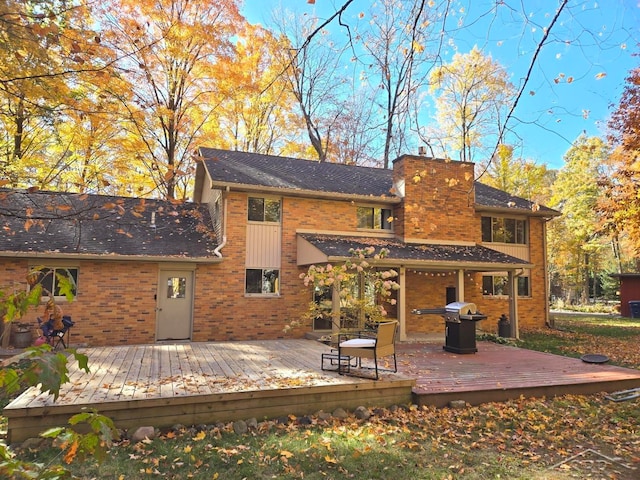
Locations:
(460, 325)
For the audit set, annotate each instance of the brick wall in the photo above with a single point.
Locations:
(438, 200)
(228, 314)
(427, 290)
(115, 303)
(531, 310)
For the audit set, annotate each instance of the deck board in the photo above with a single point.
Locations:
(197, 362)
(217, 364)
(106, 384)
(164, 384)
(136, 381)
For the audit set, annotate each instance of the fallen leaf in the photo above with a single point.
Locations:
(286, 454)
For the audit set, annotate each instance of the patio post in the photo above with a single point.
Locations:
(335, 308)
(460, 287)
(513, 303)
(402, 307)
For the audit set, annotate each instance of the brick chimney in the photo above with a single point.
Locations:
(438, 200)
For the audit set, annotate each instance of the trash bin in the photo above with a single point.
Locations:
(634, 308)
(504, 327)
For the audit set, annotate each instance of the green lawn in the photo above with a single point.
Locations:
(575, 335)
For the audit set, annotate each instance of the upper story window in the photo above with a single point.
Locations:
(374, 218)
(264, 210)
(504, 230)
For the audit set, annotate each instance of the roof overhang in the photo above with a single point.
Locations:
(547, 214)
(110, 257)
(292, 192)
(333, 249)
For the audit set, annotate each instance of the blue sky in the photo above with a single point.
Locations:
(578, 76)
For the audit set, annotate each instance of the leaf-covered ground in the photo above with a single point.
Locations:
(618, 339)
(567, 437)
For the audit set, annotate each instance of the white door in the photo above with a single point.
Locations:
(175, 305)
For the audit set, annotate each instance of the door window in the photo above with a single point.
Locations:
(176, 287)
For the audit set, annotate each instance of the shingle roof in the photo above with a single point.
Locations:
(295, 174)
(52, 222)
(491, 197)
(255, 169)
(342, 246)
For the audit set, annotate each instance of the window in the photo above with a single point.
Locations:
(262, 281)
(58, 280)
(322, 297)
(358, 296)
(374, 218)
(493, 285)
(504, 230)
(264, 210)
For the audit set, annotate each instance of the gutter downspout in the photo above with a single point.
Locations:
(216, 252)
(547, 279)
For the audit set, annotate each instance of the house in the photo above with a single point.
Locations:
(228, 265)
(133, 261)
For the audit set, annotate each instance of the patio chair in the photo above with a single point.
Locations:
(371, 345)
(56, 337)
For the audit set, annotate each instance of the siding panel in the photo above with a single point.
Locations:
(264, 245)
(518, 251)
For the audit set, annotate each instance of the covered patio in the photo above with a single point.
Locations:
(453, 265)
(209, 382)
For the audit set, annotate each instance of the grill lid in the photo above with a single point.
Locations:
(463, 308)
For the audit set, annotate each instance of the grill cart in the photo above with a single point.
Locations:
(460, 325)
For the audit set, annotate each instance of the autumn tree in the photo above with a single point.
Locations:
(395, 58)
(314, 77)
(258, 111)
(173, 54)
(47, 47)
(576, 251)
(620, 204)
(356, 133)
(518, 176)
(473, 93)
(89, 148)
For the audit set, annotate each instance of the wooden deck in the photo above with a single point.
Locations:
(499, 372)
(204, 383)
